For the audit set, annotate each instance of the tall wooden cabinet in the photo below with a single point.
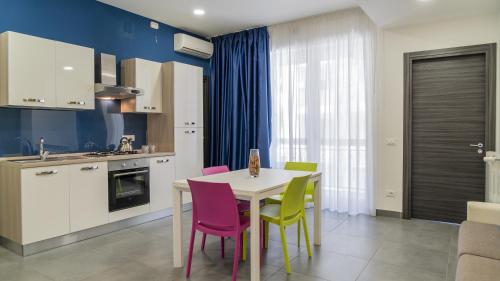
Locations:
(180, 127)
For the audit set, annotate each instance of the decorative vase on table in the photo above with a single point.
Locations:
(254, 163)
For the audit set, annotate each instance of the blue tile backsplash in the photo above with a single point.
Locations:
(96, 25)
(69, 131)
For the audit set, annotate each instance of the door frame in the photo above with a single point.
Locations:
(489, 50)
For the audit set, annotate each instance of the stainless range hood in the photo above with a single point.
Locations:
(105, 78)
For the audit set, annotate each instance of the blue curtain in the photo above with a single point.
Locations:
(240, 98)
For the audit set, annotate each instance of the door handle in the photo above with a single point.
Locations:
(92, 168)
(478, 145)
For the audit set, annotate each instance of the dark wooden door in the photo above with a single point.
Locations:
(449, 98)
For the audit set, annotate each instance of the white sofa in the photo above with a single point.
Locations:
(479, 243)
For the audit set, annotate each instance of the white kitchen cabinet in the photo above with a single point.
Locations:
(44, 203)
(27, 71)
(161, 177)
(145, 75)
(188, 95)
(188, 154)
(37, 72)
(74, 76)
(88, 195)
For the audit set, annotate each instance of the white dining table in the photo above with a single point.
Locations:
(269, 182)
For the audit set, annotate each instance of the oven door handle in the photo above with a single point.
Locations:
(131, 173)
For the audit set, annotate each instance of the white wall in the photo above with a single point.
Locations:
(395, 42)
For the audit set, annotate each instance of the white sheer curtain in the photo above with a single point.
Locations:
(322, 81)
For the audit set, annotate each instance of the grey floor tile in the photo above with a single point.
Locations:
(360, 247)
(128, 271)
(379, 271)
(13, 271)
(408, 255)
(283, 276)
(329, 266)
(77, 266)
(396, 248)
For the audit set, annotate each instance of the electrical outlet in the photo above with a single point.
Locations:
(390, 193)
(130, 137)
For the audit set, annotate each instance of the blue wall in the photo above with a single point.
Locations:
(92, 24)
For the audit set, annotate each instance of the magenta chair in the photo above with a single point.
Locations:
(243, 206)
(215, 212)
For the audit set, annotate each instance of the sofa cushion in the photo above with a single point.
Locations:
(474, 268)
(479, 239)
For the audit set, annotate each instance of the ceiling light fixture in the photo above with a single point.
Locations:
(198, 12)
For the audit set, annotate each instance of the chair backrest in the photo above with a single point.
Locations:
(215, 170)
(214, 205)
(303, 166)
(293, 199)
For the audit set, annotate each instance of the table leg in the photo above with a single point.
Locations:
(177, 228)
(317, 212)
(255, 239)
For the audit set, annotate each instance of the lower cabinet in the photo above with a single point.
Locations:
(88, 195)
(162, 175)
(44, 203)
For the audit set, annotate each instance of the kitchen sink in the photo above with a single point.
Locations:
(50, 159)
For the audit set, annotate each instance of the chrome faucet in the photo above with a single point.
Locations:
(43, 153)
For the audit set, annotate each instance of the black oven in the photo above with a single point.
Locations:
(128, 183)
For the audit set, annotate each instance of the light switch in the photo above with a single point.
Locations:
(390, 142)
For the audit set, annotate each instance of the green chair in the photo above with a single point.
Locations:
(309, 197)
(290, 211)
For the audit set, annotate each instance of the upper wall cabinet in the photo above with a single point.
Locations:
(27, 69)
(74, 76)
(36, 72)
(145, 75)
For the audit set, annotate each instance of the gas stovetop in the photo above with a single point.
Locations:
(109, 153)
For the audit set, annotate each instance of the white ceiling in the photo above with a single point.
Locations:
(389, 13)
(225, 16)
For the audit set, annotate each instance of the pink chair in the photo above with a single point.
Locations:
(215, 212)
(243, 206)
(215, 170)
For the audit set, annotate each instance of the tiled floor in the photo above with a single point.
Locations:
(354, 248)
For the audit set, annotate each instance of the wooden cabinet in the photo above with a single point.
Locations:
(88, 195)
(145, 75)
(44, 203)
(27, 71)
(180, 128)
(74, 76)
(161, 177)
(37, 72)
(188, 95)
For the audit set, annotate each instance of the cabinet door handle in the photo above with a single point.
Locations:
(90, 168)
(193, 123)
(76, 102)
(186, 123)
(193, 132)
(46, 173)
(187, 132)
(162, 161)
(34, 100)
(150, 107)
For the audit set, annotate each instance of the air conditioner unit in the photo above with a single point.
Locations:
(193, 46)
